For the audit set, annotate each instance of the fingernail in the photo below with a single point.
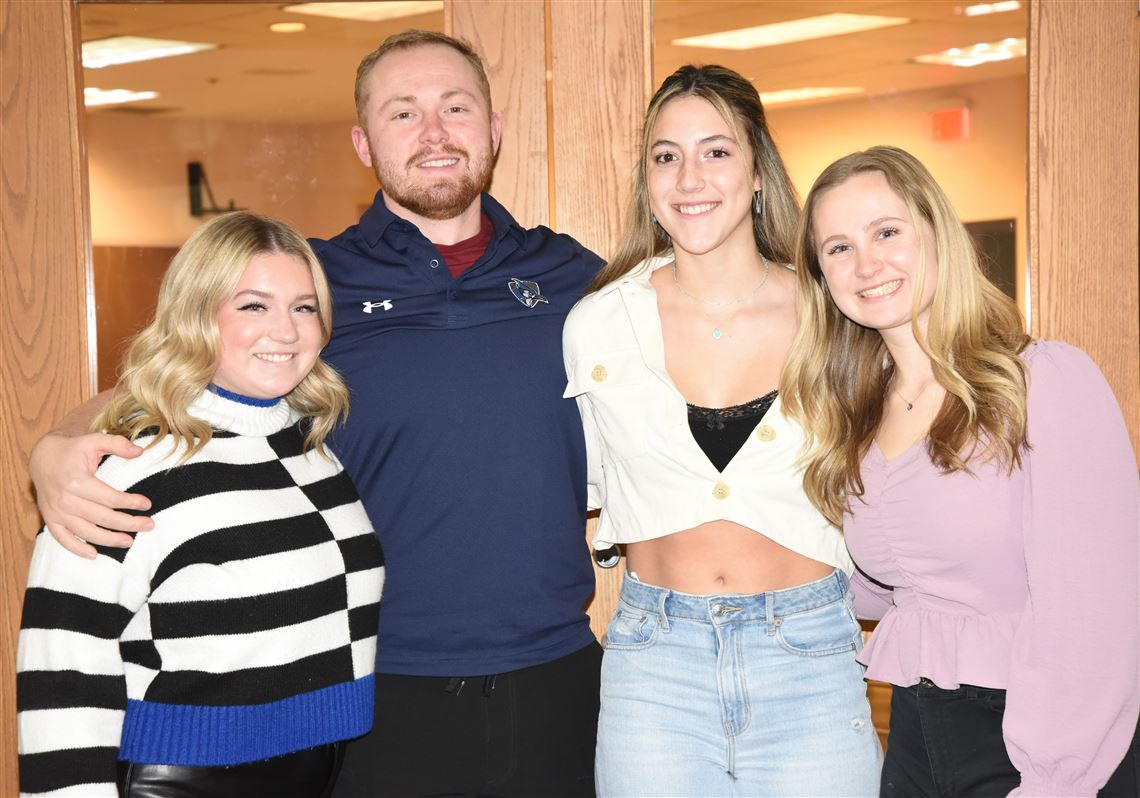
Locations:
(125, 544)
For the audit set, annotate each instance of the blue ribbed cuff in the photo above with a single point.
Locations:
(180, 734)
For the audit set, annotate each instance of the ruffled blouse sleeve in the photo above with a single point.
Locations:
(1072, 696)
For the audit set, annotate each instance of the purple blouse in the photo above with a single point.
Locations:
(1029, 582)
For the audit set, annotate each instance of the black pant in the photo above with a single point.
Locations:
(948, 743)
(302, 774)
(530, 732)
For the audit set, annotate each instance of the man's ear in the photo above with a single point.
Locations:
(361, 145)
(496, 132)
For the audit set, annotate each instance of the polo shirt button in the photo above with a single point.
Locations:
(720, 491)
(765, 433)
(599, 373)
(433, 263)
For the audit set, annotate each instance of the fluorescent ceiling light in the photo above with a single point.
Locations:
(975, 54)
(991, 8)
(369, 12)
(288, 27)
(128, 49)
(785, 96)
(93, 97)
(796, 30)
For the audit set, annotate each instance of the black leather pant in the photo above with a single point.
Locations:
(303, 774)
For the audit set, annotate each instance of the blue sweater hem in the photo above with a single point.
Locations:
(182, 734)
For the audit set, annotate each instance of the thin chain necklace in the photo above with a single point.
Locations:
(718, 332)
(909, 404)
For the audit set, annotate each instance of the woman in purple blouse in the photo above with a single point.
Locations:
(988, 493)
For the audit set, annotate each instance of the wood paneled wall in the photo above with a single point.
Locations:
(565, 161)
(570, 165)
(45, 283)
(1084, 185)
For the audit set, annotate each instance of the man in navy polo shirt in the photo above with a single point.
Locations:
(448, 328)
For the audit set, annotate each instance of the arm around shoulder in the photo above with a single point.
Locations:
(75, 504)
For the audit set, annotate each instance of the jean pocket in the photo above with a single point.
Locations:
(631, 628)
(991, 698)
(818, 632)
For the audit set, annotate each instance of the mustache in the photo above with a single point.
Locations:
(428, 153)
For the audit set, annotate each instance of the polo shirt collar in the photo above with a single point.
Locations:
(378, 219)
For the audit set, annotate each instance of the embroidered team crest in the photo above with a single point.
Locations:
(527, 292)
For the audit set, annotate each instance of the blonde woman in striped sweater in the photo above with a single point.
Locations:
(230, 651)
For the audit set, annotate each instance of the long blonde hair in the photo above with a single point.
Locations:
(738, 102)
(171, 361)
(838, 372)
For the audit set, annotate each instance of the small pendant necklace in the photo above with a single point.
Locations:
(718, 332)
(909, 404)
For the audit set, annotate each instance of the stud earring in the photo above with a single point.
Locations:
(758, 203)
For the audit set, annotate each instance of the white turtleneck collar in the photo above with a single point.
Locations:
(242, 419)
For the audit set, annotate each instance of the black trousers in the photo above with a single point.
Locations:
(530, 732)
(948, 744)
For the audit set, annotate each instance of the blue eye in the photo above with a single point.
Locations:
(251, 306)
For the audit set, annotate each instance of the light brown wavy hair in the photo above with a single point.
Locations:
(738, 102)
(839, 373)
(171, 361)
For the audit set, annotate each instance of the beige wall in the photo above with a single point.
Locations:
(305, 174)
(984, 175)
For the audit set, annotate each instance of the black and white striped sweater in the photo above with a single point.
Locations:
(242, 627)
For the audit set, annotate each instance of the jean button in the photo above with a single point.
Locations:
(718, 609)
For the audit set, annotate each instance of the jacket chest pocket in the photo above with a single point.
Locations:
(613, 394)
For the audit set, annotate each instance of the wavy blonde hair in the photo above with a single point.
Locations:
(838, 373)
(738, 102)
(172, 360)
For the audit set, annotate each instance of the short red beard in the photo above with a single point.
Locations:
(445, 199)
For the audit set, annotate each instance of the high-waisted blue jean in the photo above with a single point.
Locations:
(735, 695)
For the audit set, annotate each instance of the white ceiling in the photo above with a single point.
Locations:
(257, 75)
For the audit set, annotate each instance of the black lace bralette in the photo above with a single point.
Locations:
(722, 431)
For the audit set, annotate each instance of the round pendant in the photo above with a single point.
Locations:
(717, 333)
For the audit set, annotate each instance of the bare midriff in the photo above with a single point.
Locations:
(721, 557)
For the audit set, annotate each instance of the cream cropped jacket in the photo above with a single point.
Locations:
(645, 470)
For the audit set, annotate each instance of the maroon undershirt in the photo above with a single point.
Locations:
(460, 257)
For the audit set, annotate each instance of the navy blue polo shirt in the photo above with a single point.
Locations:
(469, 461)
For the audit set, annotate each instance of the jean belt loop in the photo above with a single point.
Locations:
(770, 613)
(662, 616)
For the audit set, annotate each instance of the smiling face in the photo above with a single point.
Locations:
(431, 137)
(871, 252)
(699, 178)
(269, 328)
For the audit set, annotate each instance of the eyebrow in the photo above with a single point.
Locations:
(267, 295)
(867, 226)
(705, 140)
(411, 98)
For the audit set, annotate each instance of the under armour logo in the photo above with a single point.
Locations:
(383, 303)
(527, 292)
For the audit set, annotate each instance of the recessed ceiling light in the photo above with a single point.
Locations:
(979, 9)
(288, 27)
(93, 97)
(976, 54)
(369, 12)
(128, 49)
(785, 96)
(796, 30)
